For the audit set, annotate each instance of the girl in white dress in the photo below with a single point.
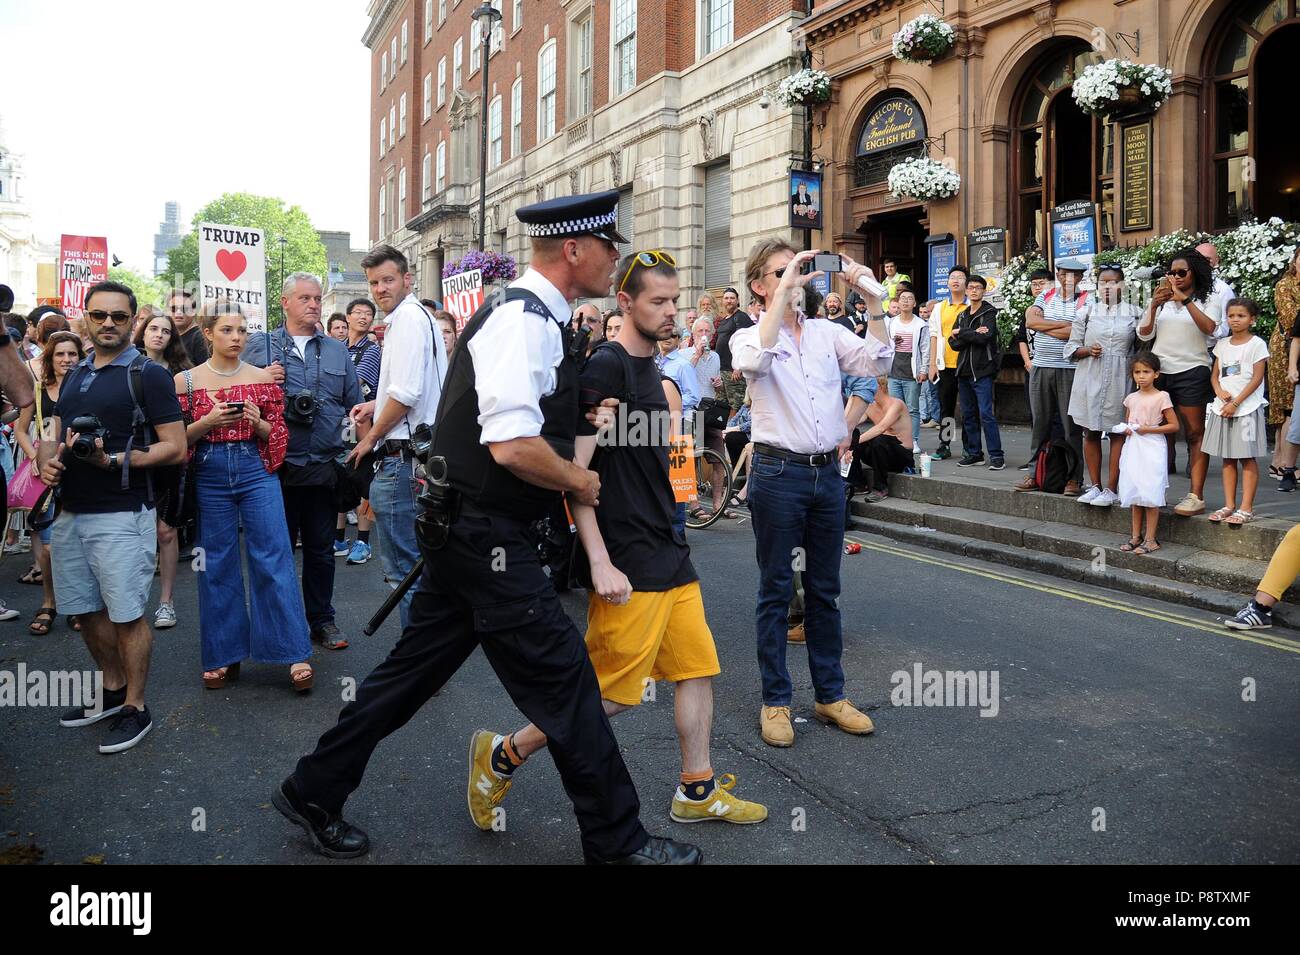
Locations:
(1143, 474)
(1234, 422)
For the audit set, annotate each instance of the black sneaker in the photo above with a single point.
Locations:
(331, 835)
(970, 460)
(1288, 480)
(1026, 466)
(942, 454)
(329, 636)
(128, 728)
(997, 464)
(84, 716)
(1253, 616)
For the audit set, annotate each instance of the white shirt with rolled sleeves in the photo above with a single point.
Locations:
(412, 367)
(516, 357)
(796, 402)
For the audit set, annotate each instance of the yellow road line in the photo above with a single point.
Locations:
(1277, 643)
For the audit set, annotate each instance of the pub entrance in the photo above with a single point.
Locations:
(899, 235)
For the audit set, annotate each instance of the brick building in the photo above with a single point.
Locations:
(661, 99)
(999, 107)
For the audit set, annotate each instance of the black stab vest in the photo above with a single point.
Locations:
(457, 435)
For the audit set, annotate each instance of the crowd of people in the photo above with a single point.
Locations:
(450, 441)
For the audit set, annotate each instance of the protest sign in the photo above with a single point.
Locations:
(232, 266)
(462, 295)
(83, 261)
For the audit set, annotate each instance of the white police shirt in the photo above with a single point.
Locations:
(516, 357)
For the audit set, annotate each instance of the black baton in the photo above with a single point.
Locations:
(394, 599)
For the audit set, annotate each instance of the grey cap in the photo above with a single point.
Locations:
(1072, 264)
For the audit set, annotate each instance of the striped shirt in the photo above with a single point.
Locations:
(1049, 352)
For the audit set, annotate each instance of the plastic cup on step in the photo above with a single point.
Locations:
(925, 465)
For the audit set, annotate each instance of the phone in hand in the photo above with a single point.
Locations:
(824, 262)
(235, 406)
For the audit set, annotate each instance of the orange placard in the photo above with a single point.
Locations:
(681, 468)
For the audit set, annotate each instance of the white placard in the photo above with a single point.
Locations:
(232, 266)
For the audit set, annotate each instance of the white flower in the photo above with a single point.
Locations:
(923, 39)
(923, 178)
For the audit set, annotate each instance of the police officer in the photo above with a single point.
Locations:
(504, 438)
(320, 387)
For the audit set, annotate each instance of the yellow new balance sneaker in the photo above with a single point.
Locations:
(486, 789)
(718, 805)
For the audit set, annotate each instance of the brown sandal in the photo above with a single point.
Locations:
(1148, 547)
(43, 620)
(33, 576)
(222, 676)
(1133, 544)
(301, 680)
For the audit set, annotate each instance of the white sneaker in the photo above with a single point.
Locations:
(1106, 498)
(1090, 495)
(165, 617)
(7, 613)
(916, 448)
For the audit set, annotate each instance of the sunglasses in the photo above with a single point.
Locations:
(1179, 273)
(647, 260)
(99, 317)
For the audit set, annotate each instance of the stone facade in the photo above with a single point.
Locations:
(687, 111)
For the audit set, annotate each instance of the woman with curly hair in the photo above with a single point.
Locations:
(1180, 325)
(1286, 299)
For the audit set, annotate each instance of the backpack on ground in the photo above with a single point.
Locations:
(1055, 461)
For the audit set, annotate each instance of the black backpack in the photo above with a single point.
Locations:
(1055, 461)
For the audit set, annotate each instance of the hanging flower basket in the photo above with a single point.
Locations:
(1122, 86)
(923, 39)
(923, 178)
(806, 86)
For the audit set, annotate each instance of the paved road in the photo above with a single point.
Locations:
(1106, 703)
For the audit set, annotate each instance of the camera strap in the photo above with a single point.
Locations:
(139, 424)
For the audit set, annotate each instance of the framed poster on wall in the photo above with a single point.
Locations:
(940, 257)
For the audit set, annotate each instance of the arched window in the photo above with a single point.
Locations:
(1253, 147)
(893, 129)
(1060, 152)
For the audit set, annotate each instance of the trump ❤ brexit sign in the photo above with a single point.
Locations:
(232, 266)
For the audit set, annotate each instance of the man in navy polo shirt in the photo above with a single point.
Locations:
(103, 541)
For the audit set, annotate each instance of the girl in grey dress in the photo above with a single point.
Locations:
(1101, 342)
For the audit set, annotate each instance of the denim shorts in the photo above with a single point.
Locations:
(104, 561)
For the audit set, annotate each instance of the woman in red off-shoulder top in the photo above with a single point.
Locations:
(234, 414)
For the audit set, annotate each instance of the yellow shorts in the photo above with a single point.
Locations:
(661, 635)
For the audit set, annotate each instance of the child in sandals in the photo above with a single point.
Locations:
(1234, 424)
(1143, 468)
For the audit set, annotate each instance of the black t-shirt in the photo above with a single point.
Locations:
(726, 328)
(637, 506)
(106, 393)
(196, 346)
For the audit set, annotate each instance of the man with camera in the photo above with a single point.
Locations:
(796, 492)
(320, 386)
(120, 419)
(502, 453)
(411, 370)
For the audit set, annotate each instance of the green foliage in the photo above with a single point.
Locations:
(1015, 287)
(148, 291)
(303, 250)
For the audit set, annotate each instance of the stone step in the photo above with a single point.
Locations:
(1175, 573)
(1255, 541)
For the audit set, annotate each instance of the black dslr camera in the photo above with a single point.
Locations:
(88, 428)
(301, 408)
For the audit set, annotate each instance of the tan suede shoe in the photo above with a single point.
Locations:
(795, 634)
(774, 722)
(844, 715)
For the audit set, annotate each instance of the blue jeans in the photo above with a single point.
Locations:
(233, 489)
(930, 401)
(393, 500)
(796, 506)
(908, 391)
(977, 409)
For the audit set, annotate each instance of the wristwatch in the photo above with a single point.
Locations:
(115, 460)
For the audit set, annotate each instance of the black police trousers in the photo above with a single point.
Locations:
(485, 587)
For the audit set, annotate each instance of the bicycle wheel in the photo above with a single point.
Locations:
(706, 462)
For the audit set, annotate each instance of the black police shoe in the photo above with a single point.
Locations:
(331, 835)
(658, 851)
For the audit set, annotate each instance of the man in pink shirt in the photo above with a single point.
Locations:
(796, 493)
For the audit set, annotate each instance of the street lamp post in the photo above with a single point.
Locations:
(283, 243)
(486, 15)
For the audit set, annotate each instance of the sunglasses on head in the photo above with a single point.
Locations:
(647, 260)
